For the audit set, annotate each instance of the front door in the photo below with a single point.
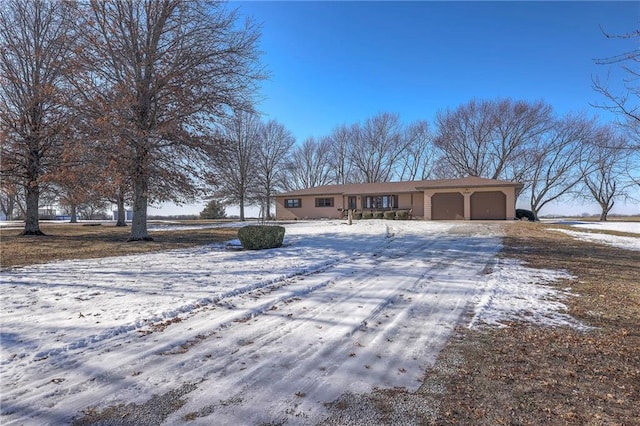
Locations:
(352, 203)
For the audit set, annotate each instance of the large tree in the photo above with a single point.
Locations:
(604, 170)
(558, 162)
(233, 171)
(624, 101)
(37, 45)
(274, 143)
(163, 72)
(417, 160)
(378, 145)
(487, 138)
(342, 139)
(623, 96)
(310, 164)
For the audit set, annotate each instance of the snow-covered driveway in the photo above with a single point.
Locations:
(265, 336)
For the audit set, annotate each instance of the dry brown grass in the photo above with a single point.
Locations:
(75, 241)
(533, 375)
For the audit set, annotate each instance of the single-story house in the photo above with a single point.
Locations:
(470, 198)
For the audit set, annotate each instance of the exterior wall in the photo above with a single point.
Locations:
(308, 209)
(419, 202)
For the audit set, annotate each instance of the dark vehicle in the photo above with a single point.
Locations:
(522, 213)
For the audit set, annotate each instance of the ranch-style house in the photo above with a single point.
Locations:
(470, 198)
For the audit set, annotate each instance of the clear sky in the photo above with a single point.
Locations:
(333, 63)
(341, 62)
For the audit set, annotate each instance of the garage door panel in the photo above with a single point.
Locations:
(490, 205)
(447, 206)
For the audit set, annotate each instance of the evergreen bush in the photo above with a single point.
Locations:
(357, 215)
(391, 215)
(378, 215)
(259, 237)
(367, 215)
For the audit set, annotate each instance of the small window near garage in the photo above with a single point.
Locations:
(293, 203)
(324, 202)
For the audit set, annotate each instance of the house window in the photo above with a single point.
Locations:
(324, 202)
(293, 203)
(352, 203)
(381, 202)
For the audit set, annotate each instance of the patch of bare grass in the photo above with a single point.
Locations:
(71, 241)
(527, 374)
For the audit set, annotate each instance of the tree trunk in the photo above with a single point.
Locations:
(268, 205)
(242, 209)
(122, 214)
(73, 211)
(140, 199)
(606, 208)
(31, 223)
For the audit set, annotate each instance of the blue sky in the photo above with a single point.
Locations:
(341, 62)
(333, 63)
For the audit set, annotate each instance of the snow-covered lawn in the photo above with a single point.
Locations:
(583, 233)
(265, 336)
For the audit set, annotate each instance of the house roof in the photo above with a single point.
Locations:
(399, 187)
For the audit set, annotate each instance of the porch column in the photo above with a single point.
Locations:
(467, 204)
(427, 205)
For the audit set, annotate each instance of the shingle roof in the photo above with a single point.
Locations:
(399, 187)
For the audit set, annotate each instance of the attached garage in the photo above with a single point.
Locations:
(489, 205)
(447, 206)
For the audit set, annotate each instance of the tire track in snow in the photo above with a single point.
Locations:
(304, 358)
(120, 365)
(263, 358)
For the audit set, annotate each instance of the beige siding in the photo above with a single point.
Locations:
(421, 202)
(308, 209)
(418, 204)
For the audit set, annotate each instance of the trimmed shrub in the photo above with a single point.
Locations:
(367, 215)
(378, 215)
(259, 237)
(402, 215)
(390, 215)
(357, 215)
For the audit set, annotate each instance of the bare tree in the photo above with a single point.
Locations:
(463, 137)
(604, 174)
(342, 139)
(37, 44)
(379, 143)
(558, 161)
(625, 103)
(163, 72)
(8, 200)
(417, 160)
(310, 165)
(274, 143)
(233, 169)
(487, 138)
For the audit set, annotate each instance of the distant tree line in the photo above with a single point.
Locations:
(554, 156)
